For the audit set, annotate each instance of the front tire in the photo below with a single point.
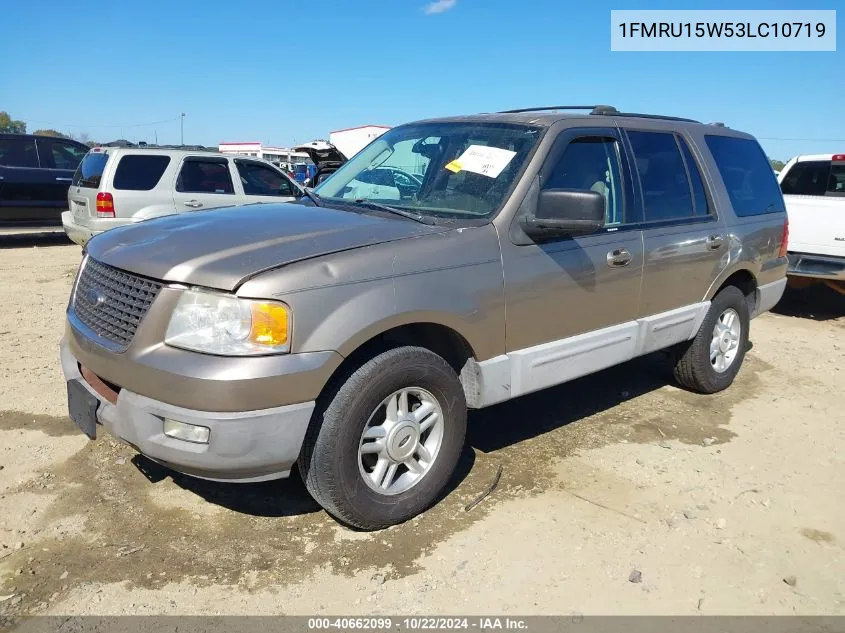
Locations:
(382, 445)
(711, 361)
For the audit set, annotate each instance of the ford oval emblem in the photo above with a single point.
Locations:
(95, 297)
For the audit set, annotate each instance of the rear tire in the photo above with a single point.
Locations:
(364, 457)
(711, 361)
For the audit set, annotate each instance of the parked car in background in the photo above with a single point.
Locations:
(35, 173)
(117, 186)
(349, 333)
(326, 158)
(814, 190)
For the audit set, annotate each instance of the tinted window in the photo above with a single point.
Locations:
(139, 172)
(260, 180)
(698, 193)
(18, 152)
(747, 174)
(663, 176)
(836, 182)
(205, 176)
(65, 155)
(591, 162)
(90, 170)
(808, 178)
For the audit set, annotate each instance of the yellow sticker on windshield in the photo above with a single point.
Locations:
(454, 166)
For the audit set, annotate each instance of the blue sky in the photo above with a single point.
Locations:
(286, 71)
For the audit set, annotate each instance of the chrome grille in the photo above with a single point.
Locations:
(111, 302)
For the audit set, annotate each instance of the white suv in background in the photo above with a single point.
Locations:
(117, 186)
(813, 188)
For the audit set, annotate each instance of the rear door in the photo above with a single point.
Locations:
(60, 157)
(204, 182)
(814, 191)
(685, 242)
(25, 188)
(263, 183)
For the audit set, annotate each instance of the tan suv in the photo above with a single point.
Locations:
(350, 332)
(117, 186)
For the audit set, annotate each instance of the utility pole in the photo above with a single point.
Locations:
(182, 129)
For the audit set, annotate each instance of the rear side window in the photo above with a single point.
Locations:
(18, 152)
(698, 193)
(747, 174)
(667, 192)
(90, 170)
(205, 176)
(140, 172)
(65, 155)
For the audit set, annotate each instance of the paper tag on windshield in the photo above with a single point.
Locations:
(480, 159)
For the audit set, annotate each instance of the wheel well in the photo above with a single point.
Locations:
(440, 339)
(747, 284)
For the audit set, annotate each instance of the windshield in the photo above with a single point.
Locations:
(453, 170)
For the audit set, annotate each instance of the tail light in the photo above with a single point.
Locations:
(105, 205)
(838, 157)
(784, 240)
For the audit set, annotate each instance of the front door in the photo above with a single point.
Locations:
(571, 301)
(204, 182)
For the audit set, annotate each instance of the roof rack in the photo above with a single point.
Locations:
(601, 110)
(595, 109)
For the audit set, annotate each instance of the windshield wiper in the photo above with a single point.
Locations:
(416, 217)
(312, 196)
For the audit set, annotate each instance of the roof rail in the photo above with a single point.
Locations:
(595, 109)
(718, 124)
(661, 117)
(601, 110)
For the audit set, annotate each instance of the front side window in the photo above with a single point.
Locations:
(18, 152)
(451, 170)
(260, 180)
(666, 189)
(807, 178)
(66, 155)
(205, 176)
(140, 172)
(747, 174)
(592, 163)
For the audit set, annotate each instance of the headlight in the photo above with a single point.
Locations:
(222, 324)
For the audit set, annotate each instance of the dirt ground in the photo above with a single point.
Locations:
(723, 504)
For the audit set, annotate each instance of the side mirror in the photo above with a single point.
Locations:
(563, 212)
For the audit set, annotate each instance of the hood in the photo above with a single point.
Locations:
(322, 153)
(222, 248)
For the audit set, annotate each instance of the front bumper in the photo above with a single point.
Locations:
(244, 446)
(817, 266)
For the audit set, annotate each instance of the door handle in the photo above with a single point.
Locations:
(618, 258)
(194, 204)
(64, 179)
(714, 242)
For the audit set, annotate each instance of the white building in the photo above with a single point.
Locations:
(352, 140)
(279, 155)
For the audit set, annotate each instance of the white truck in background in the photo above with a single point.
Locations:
(814, 190)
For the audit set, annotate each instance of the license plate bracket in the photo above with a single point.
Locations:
(82, 407)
